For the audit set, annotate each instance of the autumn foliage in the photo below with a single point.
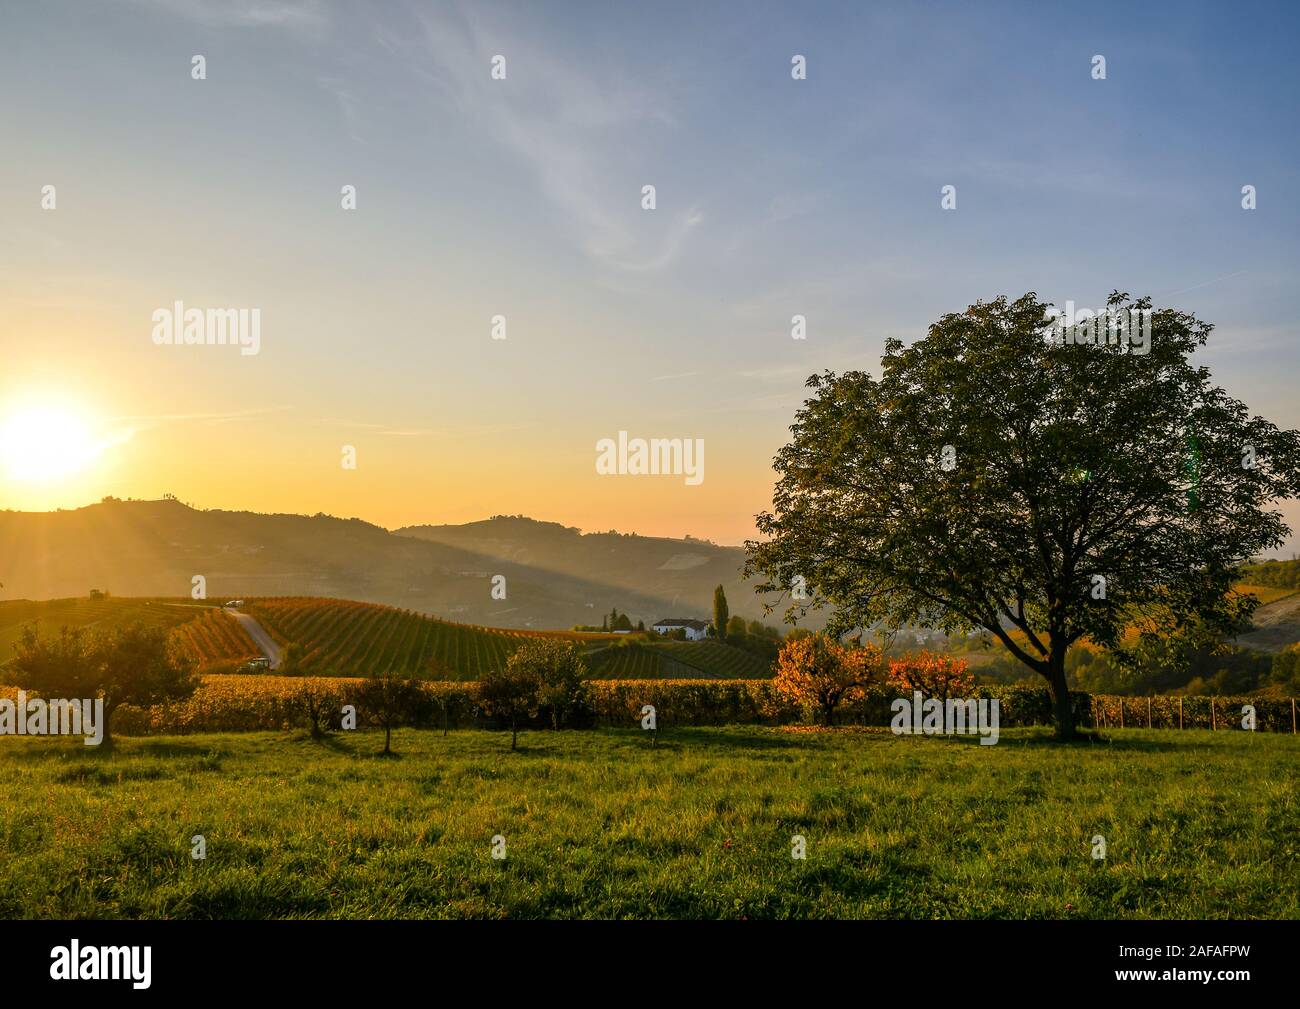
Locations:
(933, 675)
(820, 672)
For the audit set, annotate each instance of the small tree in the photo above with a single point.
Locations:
(819, 672)
(508, 695)
(386, 701)
(316, 704)
(721, 613)
(933, 675)
(735, 628)
(559, 670)
(128, 665)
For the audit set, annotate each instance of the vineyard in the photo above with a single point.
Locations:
(101, 614)
(635, 661)
(676, 660)
(713, 658)
(215, 637)
(347, 638)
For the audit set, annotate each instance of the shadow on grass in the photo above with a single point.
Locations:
(172, 748)
(125, 746)
(328, 740)
(739, 738)
(1096, 740)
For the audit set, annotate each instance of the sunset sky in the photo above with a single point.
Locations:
(522, 197)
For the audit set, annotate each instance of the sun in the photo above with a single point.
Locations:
(42, 443)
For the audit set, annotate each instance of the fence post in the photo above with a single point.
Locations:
(1293, 716)
(1213, 721)
(1180, 711)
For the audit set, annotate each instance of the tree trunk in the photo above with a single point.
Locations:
(388, 738)
(1063, 710)
(514, 733)
(107, 741)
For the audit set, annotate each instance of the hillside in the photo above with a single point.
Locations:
(350, 638)
(346, 638)
(204, 631)
(651, 577)
(676, 660)
(556, 577)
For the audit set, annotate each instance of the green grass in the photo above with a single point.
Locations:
(598, 824)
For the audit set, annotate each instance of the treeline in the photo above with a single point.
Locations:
(1277, 574)
(247, 704)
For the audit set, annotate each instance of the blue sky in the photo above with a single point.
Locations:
(775, 197)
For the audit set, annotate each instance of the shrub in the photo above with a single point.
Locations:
(558, 670)
(933, 675)
(819, 672)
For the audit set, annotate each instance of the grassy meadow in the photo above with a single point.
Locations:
(600, 824)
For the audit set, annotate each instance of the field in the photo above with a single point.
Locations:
(104, 613)
(339, 636)
(203, 630)
(714, 658)
(598, 824)
(678, 660)
(357, 639)
(1265, 593)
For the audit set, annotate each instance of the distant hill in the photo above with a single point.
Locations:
(556, 577)
(647, 577)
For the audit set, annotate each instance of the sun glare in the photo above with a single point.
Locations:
(46, 443)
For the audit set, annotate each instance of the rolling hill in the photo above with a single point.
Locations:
(556, 577)
(350, 638)
(203, 630)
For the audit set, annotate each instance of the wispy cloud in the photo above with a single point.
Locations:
(245, 13)
(669, 378)
(563, 122)
(207, 418)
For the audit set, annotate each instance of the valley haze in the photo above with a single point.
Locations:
(556, 576)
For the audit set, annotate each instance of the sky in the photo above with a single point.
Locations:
(522, 197)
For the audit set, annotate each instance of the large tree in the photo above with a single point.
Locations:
(135, 665)
(1045, 491)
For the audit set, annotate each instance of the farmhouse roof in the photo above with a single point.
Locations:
(695, 625)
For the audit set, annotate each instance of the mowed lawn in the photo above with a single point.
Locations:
(599, 824)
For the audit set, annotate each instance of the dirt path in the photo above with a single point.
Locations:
(260, 637)
(1276, 625)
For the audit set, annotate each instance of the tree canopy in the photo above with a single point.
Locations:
(995, 478)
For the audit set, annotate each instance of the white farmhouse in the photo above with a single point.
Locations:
(696, 630)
